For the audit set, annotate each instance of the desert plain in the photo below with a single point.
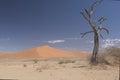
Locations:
(31, 65)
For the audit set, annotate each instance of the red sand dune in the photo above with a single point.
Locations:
(43, 52)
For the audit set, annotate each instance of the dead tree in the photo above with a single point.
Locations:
(96, 29)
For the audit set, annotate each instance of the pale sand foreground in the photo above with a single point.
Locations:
(55, 69)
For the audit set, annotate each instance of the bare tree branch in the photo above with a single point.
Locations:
(84, 16)
(105, 30)
(94, 5)
(101, 36)
(102, 19)
(83, 34)
(87, 12)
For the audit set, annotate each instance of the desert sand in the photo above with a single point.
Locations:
(55, 69)
(54, 64)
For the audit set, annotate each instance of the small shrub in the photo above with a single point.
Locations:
(66, 61)
(24, 65)
(35, 61)
(38, 69)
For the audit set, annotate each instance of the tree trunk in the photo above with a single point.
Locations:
(96, 48)
(119, 68)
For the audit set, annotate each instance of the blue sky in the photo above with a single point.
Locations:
(26, 24)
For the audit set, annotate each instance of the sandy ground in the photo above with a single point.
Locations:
(55, 69)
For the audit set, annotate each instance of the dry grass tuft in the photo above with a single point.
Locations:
(66, 61)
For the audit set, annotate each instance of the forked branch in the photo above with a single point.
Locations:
(85, 17)
(105, 30)
(101, 20)
(83, 34)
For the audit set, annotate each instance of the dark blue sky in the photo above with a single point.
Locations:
(26, 24)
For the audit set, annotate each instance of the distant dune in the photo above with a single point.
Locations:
(43, 52)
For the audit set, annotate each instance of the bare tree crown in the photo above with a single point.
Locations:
(88, 14)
